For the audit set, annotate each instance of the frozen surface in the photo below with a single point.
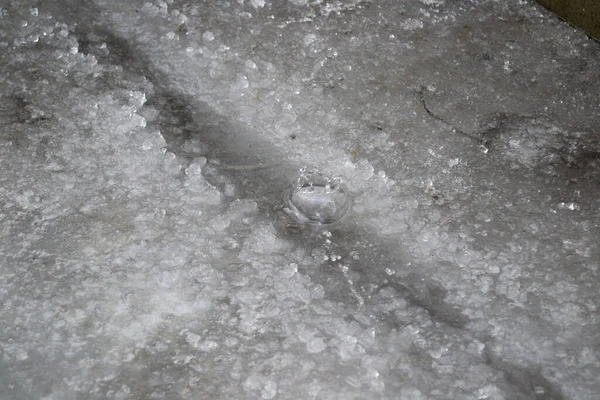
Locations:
(147, 247)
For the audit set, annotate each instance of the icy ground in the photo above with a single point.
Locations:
(148, 250)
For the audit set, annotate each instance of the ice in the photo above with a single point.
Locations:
(208, 36)
(258, 3)
(158, 241)
(317, 199)
(568, 206)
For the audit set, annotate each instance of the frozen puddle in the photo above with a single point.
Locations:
(153, 248)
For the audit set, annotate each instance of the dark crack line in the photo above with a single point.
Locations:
(421, 94)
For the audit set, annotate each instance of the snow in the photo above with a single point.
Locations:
(158, 239)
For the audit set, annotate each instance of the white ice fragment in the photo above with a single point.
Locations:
(229, 190)
(266, 241)
(332, 52)
(250, 65)
(309, 39)
(191, 338)
(167, 278)
(454, 162)
(240, 83)
(138, 98)
(494, 269)
(367, 337)
(138, 120)
(208, 36)
(316, 345)
(437, 352)
(241, 208)
(123, 393)
(587, 356)
(412, 24)
(195, 168)
(353, 381)
(490, 392)
(317, 292)
(269, 391)
(377, 384)
(475, 347)
(539, 390)
(193, 145)
(411, 393)
(20, 354)
(159, 345)
(572, 206)
(290, 270)
(258, 3)
(208, 345)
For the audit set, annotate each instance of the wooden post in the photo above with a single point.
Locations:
(584, 14)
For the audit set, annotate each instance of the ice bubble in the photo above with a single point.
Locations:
(317, 200)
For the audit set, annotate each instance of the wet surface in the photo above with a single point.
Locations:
(412, 294)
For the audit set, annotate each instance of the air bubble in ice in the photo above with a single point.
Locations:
(316, 199)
